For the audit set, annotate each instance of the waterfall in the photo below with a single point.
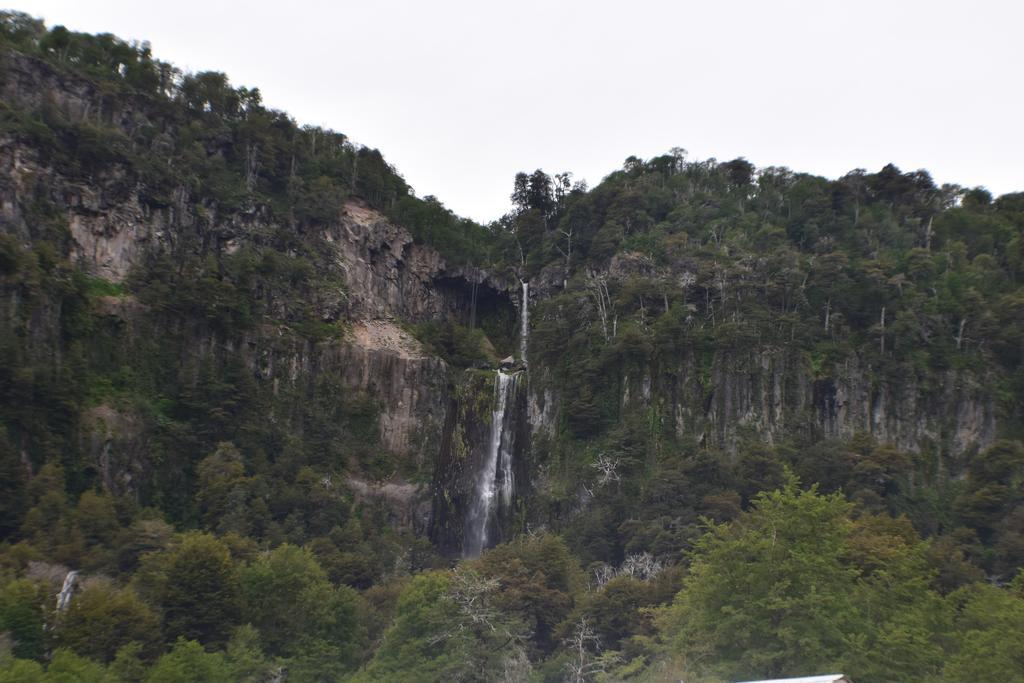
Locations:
(494, 484)
(524, 322)
(67, 590)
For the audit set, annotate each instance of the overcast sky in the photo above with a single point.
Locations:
(459, 96)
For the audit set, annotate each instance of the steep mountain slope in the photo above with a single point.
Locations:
(231, 342)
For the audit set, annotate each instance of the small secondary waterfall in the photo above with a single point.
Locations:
(524, 322)
(494, 484)
(67, 590)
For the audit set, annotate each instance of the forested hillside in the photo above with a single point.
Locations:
(268, 415)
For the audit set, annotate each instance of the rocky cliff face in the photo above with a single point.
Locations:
(384, 280)
(373, 279)
(771, 392)
(109, 229)
(467, 435)
(387, 275)
(34, 84)
(111, 223)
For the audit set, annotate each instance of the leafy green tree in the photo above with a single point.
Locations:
(128, 666)
(224, 490)
(14, 670)
(615, 612)
(320, 202)
(950, 555)
(900, 622)
(287, 597)
(451, 625)
(66, 666)
(22, 605)
(196, 586)
(994, 486)
(415, 646)
(102, 619)
(22, 29)
(795, 584)
(96, 519)
(989, 635)
(48, 523)
(245, 656)
(768, 595)
(188, 662)
(538, 579)
(142, 536)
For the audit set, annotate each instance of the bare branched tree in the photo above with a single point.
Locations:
(473, 594)
(516, 666)
(603, 575)
(642, 567)
(584, 646)
(607, 467)
(687, 280)
(587, 662)
(598, 287)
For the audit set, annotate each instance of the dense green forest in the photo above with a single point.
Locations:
(660, 534)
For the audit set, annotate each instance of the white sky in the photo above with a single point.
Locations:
(460, 95)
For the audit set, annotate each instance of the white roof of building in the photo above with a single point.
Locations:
(828, 678)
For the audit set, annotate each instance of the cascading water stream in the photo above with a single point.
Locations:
(494, 483)
(67, 590)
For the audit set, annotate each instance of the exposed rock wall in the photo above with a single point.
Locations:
(377, 278)
(32, 83)
(109, 228)
(466, 437)
(388, 275)
(386, 278)
(379, 359)
(408, 505)
(772, 393)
